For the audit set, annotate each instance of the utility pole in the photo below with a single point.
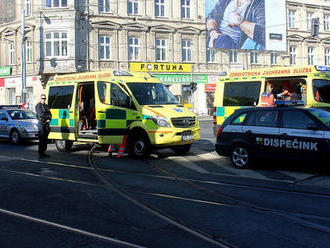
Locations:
(23, 60)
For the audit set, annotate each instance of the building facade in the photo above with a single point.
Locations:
(68, 36)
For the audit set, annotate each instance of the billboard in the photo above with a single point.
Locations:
(246, 24)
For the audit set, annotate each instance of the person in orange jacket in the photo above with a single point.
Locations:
(267, 98)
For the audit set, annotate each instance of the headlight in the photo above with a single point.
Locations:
(160, 121)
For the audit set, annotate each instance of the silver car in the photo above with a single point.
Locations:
(17, 124)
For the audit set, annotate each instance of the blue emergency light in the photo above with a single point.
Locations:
(322, 68)
(288, 103)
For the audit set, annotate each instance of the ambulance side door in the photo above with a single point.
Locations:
(302, 135)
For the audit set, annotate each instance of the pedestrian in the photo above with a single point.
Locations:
(44, 117)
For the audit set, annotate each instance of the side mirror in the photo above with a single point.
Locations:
(312, 126)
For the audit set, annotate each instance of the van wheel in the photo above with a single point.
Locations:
(14, 137)
(240, 156)
(139, 146)
(63, 145)
(182, 150)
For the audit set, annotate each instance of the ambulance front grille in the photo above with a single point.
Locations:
(184, 122)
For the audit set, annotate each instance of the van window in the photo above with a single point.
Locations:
(321, 89)
(152, 93)
(241, 93)
(118, 97)
(60, 97)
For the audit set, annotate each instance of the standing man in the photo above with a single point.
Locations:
(44, 117)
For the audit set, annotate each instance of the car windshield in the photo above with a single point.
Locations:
(322, 114)
(152, 93)
(21, 115)
(321, 88)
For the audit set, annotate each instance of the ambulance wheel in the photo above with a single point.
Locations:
(139, 145)
(181, 150)
(240, 156)
(63, 145)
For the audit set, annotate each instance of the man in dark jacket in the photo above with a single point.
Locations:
(44, 117)
(232, 22)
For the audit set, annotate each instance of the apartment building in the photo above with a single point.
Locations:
(160, 36)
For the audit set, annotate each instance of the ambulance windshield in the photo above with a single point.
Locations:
(152, 93)
(321, 88)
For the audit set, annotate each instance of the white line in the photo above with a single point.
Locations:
(219, 161)
(186, 163)
(75, 230)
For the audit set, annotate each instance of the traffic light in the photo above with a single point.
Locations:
(193, 86)
(315, 27)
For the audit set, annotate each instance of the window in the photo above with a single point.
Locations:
(326, 22)
(161, 50)
(11, 52)
(12, 96)
(56, 3)
(309, 20)
(210, 55)
(186, 50)
(292, 18)
(293, 55)
(327, 56)
(266, 118)
(27, 7)
(56, 44)
(28, 50)
(296, 119)
(133, 7)
(185, 8)
(273, 58)
(104, 6)
(60, 97)
(118, 97)
(3, 116)
(310, 55)
(133, 49)
(159, 7)
(104, 47)
(239, 120)
(254, 57)
(233, 56)
(241, 93)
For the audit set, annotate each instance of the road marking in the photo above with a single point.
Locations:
(5, 158)
(67, 228)
(186, 163)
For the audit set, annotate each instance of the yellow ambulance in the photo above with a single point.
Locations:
(104, 107)
(307, 85)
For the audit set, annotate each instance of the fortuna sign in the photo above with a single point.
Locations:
(289, 144)
(160, 67)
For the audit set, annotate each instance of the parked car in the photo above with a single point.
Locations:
(279, 132)
(17, 124)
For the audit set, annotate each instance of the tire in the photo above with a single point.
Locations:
(139, 146)
(182, 150)
(15, 137)
(240, 156)
(63, 145)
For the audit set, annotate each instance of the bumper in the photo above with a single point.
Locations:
(223, 150)
(170, 138)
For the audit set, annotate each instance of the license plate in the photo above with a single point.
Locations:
(187, 137)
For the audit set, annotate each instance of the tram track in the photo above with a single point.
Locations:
(288, 216)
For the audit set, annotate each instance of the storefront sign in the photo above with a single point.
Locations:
(160, 67)
(210, 87)
(5, 71)
(175, 78)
